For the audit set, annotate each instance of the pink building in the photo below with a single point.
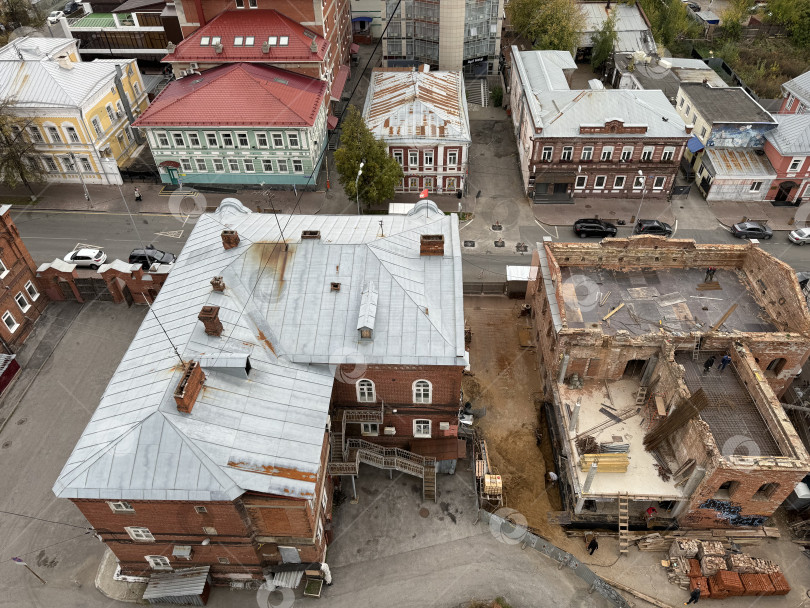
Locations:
(796, 94)
(788, 149)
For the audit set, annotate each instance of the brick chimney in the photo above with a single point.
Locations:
(189, 387)
(209, 315)
(218, 284)
(230, 239)
(432, 244)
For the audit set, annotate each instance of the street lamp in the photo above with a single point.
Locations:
(356, 181)
(643, 192)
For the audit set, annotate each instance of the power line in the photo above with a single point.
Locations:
(53, 544)
(58, 523)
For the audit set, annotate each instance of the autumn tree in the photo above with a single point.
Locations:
(795, 16)
(19, 161)
(381, 173)
(547, 24)
(604, 41)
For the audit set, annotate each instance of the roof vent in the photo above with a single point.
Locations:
(218, 48)
(313, 48)
(171, 47)
(432, 244)
(266, 47)
(310, 234)
(335, 287)
(230, 239)
(218, 284)
(368, 312)
(209, 315)
(64, 62)
(190, 385)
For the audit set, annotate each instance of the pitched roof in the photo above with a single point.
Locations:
(632, 31)
(240, 94)
(31, 47)
(415, 106)
(799, 86)
(37, 84)
(262, 24)
(792, 135)
(264, 433)
(560, 112)
(740, 163)
(725, 104)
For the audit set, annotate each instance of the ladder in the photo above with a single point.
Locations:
(641, 396)
(696, 349)
(429, 483)
(624, 524)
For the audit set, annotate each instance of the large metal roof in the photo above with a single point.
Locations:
(799, 86)
(792, 136)
(265, 432)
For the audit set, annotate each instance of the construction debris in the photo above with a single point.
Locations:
(606, 463)
(576, 381)
(587, 445)
(765, 566)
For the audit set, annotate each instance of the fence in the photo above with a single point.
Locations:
(563, 558)
(497, 288)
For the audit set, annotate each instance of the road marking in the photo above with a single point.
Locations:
(465, 225)
(674, 229)
(172, 234)
(556, 230)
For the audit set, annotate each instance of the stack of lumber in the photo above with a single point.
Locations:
(765, 566)
(710, 547)
(653, 542)
(780, 584)
(741, 563)
(703, 583)
(678, 572)
(684, 547)
(761, 532)
(757, 584)
(726, 583)
(605, 463)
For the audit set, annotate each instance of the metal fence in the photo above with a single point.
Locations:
(496, 288)
(563, 558)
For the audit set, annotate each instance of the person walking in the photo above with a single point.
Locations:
(708, 365)
(593, 545)
(724, 362)
(694, 597)
(138, 197)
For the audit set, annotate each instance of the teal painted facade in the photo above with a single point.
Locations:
(278, 155)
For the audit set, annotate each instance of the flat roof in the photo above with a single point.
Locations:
(725, 104)
(653, 299)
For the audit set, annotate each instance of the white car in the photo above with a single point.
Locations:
(88, 258)
(55, 16)
(800, 236)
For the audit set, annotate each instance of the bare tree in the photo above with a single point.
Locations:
(19, 160)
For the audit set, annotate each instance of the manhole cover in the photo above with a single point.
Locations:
(587, 206)
(469, 243)
(6, 444)
(423, 512)
(497, 227)
(22, 421)
(499, 243)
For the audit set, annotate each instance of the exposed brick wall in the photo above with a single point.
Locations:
(394, 384)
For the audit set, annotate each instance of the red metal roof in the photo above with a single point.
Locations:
(238, 94)
(340, 82)
(262, 25)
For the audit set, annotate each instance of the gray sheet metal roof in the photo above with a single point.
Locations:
(792, 135)
(799, 86)
(368, 307)
(633, 33)
(740, 163)
(725, 104)
(185, 582)
(34, 48)
(265, 433)
(561, 112)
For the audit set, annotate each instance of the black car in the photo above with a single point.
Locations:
(652, 227)
(695, 8)
(71, 7)
(150, 255)
(593, 227)
(751, 230)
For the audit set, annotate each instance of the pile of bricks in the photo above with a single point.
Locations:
(741, 562)
(684, 547)
(694, 569)
(724, 584)
(679, 570)
(710, 547)
(780, 584)
(765, 566)
(757, 584)
(712, 564)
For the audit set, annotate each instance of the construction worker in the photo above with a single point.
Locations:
(724, 362)
(694, 597)
(593, 545)
(651, 512)
(552, 477)
(709, 363)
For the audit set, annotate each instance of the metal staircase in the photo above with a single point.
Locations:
(624, 524)
(347, 454)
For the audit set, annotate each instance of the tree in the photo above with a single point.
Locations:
(547, 24)
(18, 13)
(19, 161)
(381, 173)
(733, 17)
(604, 41)
(795, 16)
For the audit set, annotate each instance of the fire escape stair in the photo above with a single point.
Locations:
(624, 524)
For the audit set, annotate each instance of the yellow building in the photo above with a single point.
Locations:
(78, 113)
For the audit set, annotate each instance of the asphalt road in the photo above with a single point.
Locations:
(51, 234)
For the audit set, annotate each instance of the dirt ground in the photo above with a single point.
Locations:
(505, 379)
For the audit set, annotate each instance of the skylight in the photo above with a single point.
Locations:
(205, 40)
(237, 41)
(272, 40)
(283, 40)
(249, 41)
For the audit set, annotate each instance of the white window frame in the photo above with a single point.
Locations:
(616, 184)
(250, 40)
(86, 166)
(293, 139)
(413, 183)
(366, 391)
(238, 40)
(208, 137)
(668, 154)
(68, 164)
(50, 163)
(97, 127)
(627, 154)
(428, 158)
(200, 510)
(136, 88)
(26, 304)
(659, 182)
(282, 165)
(398, 156)
(606, 154)
(261, 140)
(794, 161)
(278, 140)
(223, 560)
(369, 429)
(120, 506)
(419, 426)
(567, 153)
(582, 181)
(163, 140)
(140, 534)
(688, 110)
(418, 389)
(242, 140)
(175, 136)
(638, 182)
(31, 291)
(200, 161)
(250, 165)
(297, 165)
(452, 158)
(283, 40)
(703, 131)
(191, 140)
(73, 135)
(36, 135)
(225, 137)
(231, 163)
(210, 531)
(53, 134)
(219, 165)
(185, 165)
(3, 269)
(587, 153)
(756, 186)
(158, 562)
(413, 158)
(596, 185)
(13, 326)
(547, 154)
(267, 165)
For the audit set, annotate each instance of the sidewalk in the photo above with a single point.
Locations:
(610, 209)
(778, 218)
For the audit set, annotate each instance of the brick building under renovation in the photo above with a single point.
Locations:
(624, 328)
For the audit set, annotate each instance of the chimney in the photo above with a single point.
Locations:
(218, 49)
(64, 62)
(689, 129)
(310, 234)
(209, 315)
(218, 284)
(230, 239)
(432, 244)
(313, 48)
(189, 387)
(266, 47)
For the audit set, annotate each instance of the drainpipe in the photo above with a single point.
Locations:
(119, 85)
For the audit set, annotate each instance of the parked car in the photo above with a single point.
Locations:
(594, 227)
(655, 227)
(150, 255)
(800, 236)
(71, 7)
(87, 258)
(751, 230)
(695, 8)
(55, 16)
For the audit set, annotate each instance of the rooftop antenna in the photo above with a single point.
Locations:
(381, 233)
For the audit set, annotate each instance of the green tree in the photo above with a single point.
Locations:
(733, 17)
(795, 16)
(381, 173)
(18, 13)
(604, 41)
(19, 161)
(547, 24)
(670, 21)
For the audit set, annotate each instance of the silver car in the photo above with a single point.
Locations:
(88, 258)
(800, 236)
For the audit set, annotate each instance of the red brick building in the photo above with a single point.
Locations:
(21, 301)
(788, 148)
(600, 143)
(211, 445)
(422, 117)
(796, 95)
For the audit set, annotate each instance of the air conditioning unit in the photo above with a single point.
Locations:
(183, 73)
(444, 426)
(193, 65)
(119, 114)
(182, 552)
(390, 430)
